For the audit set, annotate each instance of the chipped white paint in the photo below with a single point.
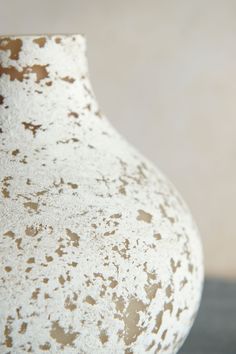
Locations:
(99, 253)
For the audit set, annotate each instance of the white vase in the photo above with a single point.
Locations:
(99, 253)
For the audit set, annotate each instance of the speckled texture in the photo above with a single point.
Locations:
(99, 253)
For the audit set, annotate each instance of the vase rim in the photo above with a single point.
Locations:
(48, 35)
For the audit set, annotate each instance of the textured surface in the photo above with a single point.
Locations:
(214, 329)
(165, 74)
(99, 252)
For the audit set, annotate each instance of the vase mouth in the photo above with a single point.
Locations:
(16, 42)
(44, 37)
(48, 35)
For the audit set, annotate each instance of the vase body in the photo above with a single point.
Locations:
(99, 253)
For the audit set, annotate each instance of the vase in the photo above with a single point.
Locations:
(99, 253)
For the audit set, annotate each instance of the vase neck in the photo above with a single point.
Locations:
(43, 58)
(44, 86)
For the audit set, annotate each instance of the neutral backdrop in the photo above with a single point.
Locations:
(164, 73)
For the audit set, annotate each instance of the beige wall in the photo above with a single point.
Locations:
(165, 73)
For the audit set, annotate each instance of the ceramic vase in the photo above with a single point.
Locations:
(99, 253)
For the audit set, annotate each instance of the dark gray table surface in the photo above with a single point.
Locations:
(214, 331)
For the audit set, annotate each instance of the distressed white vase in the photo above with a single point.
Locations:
(99, 253)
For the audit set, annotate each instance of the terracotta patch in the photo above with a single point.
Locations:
(68, 79)
(61, 336)
(73, 114)
(41, 41)
(70, 304)
(151, 290)
(31, 206)
(14, 74)
(158, 324)
(103, 337)
(157, 236)
(7, 332)
(90, 300)
(174, 265)
(14, 45)
(131, 320)
(32, 127)
(144, 216)
(6, 184)
(23, 328)
(15, 152)
(58, 40)
(45, 347)
(73, 237)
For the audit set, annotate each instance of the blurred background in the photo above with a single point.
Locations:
(164, 72)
